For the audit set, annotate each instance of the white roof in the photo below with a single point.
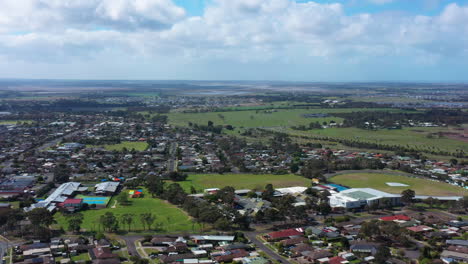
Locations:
(292, 190)
(107, 187)
(214, 238)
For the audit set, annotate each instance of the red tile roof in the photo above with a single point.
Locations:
(70, 201)
(285, 233)
(336, 260)
(421, 228)
(395, 218)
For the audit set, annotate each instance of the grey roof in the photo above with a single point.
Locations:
(58, 196)
(457, 242)
(107, 187)
(454, 255)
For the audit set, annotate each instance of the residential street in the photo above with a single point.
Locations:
(252, 236)
(130, 241)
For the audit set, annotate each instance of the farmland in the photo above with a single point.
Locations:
(414, 137)
(261, 118)
(242, 181)
(171, 218)
(13, 122)
(129, 145)
(378, 181)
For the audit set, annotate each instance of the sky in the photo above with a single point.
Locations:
(289, 40)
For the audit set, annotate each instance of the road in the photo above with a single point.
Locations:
(252, 236)
(131, 247)
(57, 140)
(3, 250)
(172, 162)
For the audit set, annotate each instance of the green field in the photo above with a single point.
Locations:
(14, 122)
(415, 137)
(262, 118)
(378, 181)
(172, 218)
(242, 181)
(129, 145)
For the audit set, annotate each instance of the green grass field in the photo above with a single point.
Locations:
(414, 137)
(129, 145)
(378, 181)
(260, 118)
(14, 122)
(172, 218)
(242, 181)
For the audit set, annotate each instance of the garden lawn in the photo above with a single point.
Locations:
(378, 181)
(242, 181)
(81, 257)
(129, 145)
(172, 218)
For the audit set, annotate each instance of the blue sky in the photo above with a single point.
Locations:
(295, 40)
(423, 7)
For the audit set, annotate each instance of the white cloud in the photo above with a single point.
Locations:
(53, 15)
(240, 31)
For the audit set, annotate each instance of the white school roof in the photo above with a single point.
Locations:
(292, 190)
(107, 187)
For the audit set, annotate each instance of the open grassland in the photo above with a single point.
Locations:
(242, 181)
(129, 145)
(414, 137)
(14, 122)
(262, 118)
(171, 218)
(378, 181)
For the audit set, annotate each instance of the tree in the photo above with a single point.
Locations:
(463, 203)
(122, 198)
(268, 193)
(345, 243)
(323, 195)
(147, 219)
(226, 195)
(177, 176)
(175, 194)
(40, 217)
(62, 173)
(127, 219)
(155, 185)
(369, 229)
(222, 224)
(324, 209)
(109, 222)
(407, 196)
(382, 255)
(74, 222)
(143, 221)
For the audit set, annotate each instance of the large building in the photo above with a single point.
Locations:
(360, 197)
(60, 195)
